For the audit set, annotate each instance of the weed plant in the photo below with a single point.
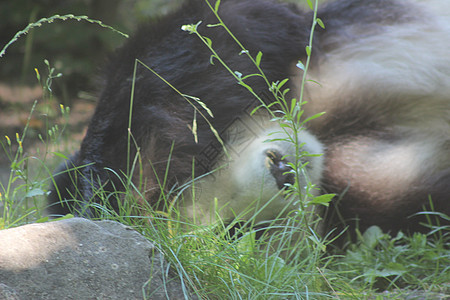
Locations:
(23, 194)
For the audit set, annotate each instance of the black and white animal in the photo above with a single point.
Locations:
(384, 73)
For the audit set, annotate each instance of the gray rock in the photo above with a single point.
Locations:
(80, 259)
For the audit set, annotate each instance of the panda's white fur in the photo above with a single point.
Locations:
(408, 61)
(242, 185)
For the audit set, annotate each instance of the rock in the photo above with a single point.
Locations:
(81, 259)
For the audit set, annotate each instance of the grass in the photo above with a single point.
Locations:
(273, 267)
(287, 261)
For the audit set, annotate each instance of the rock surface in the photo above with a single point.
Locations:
(81, 259)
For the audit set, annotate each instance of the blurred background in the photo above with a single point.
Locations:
(77, 50)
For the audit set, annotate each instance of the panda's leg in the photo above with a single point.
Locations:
(68, 193)
(63, 189)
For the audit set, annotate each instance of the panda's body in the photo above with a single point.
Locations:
(384, 74)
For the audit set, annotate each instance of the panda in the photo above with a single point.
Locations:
(380, 71)
(387, 100)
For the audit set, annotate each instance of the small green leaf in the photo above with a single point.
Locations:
(372, 235)
(216, 6)
(187, 28)
(293, 105)
(322, 199)
(247, 243)
(68, 216)
(310, 4)
(211, 59)
(281, 83)
(255, 109)
(316, 82)
(60, 155)
(284, 125)
(249, 88)
(251, 75)
(213, 25)
(314, 117)
(285, 91)
(320, 22)
(300, 65)
(392, 269)
(258, 58)
(208, 41)
(42, 220)
(308, 50)
(35, 192)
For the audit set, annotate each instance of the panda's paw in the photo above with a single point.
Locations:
(279, 168)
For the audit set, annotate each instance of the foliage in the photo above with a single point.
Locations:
(379, 261)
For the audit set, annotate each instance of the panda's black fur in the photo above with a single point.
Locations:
(368, 113)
